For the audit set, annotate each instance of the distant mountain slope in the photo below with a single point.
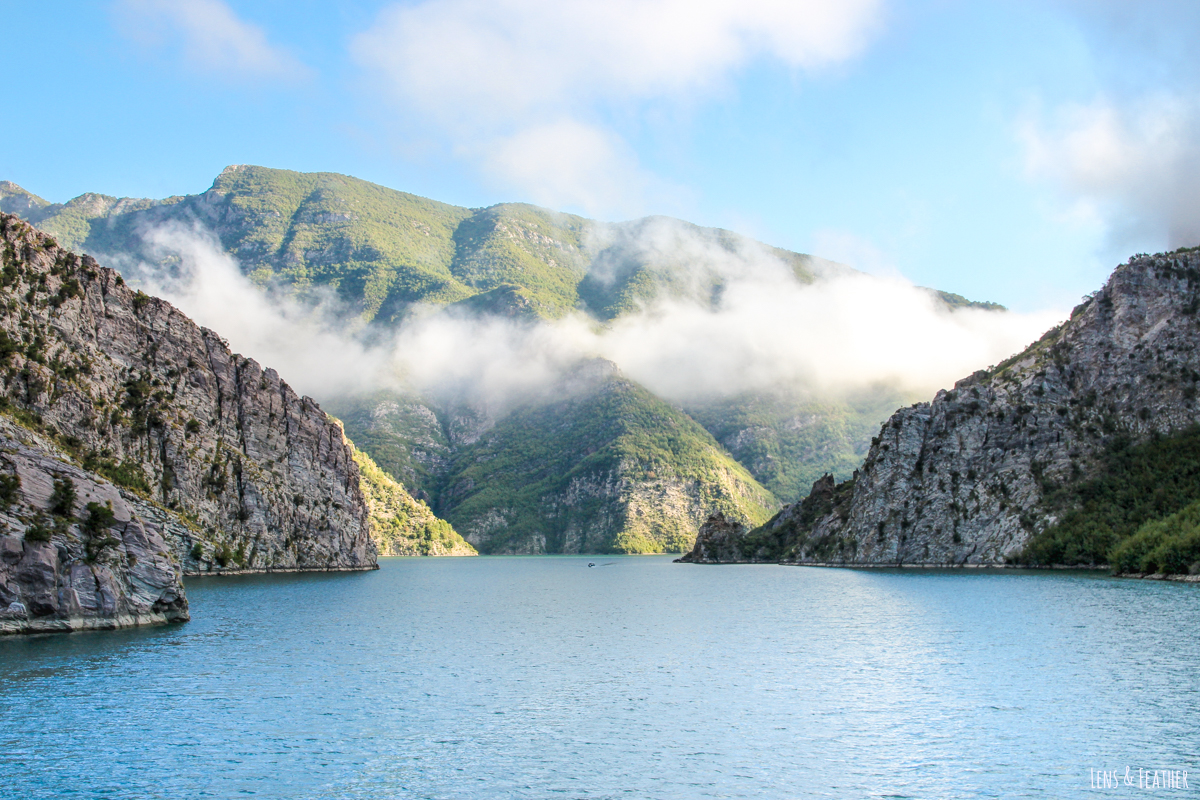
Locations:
(1055, 455)
(598, 464)
(788, 438)
(608, 468)
(247, 474)
(383, 250)
(400, 525)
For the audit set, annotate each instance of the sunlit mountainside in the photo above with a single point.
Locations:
(668, 392)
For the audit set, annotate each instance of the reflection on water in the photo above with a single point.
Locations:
(539, 677)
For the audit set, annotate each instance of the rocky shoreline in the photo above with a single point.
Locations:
(74, 554)
(136, 446)
(719, 538)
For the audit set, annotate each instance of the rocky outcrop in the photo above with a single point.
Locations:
(76, 553)
(719, 542)
(252, 476)
(963, 480)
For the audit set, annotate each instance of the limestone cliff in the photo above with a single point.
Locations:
(75, 552)
(254, 476)
(965, 479)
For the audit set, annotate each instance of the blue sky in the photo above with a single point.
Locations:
(1009, 151)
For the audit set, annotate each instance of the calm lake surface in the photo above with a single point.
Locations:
(538, 677)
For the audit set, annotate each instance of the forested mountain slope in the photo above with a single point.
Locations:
(383, 250)
(597, 464)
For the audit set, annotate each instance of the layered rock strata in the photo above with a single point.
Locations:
(75, 553)
(252, 476)
(963, 480)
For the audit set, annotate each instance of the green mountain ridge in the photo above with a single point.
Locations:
(385, 252)
(601, 466)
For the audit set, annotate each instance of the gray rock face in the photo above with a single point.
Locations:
(65, 567)
(239, 471)
(960, 480)
(719, 542)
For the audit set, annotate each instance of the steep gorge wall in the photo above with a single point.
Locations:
(66, 564)
(136, 392)
(964, 479)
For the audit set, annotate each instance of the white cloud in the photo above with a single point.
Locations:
(210, 35)
(498, 60)
(497, 74)
(846, 331)
(1125, 158)
(1134, 164)
(309, 346)
(569, 164)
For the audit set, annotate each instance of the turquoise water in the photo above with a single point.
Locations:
(541, 678)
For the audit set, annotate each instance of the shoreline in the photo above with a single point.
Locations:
(221, 573)
(1157, 576)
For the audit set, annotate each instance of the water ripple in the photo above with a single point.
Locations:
(539, 678)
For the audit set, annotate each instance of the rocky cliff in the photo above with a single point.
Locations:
(77, 553)
(253, 476)
(971, 477)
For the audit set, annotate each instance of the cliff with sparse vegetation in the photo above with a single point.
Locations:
(1081, 450)
(251, 475)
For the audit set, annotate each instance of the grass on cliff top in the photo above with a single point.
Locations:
(1133, 485)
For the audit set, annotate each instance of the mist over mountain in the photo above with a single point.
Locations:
(379, 302)
(1081, 450)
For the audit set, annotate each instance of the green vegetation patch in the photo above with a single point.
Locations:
(402, 433)
(607, 464)
(1169, 546)
(401, 525)
(1133, 485)
(789, 439)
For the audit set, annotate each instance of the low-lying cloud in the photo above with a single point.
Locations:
(308, 344)
(844, 332)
